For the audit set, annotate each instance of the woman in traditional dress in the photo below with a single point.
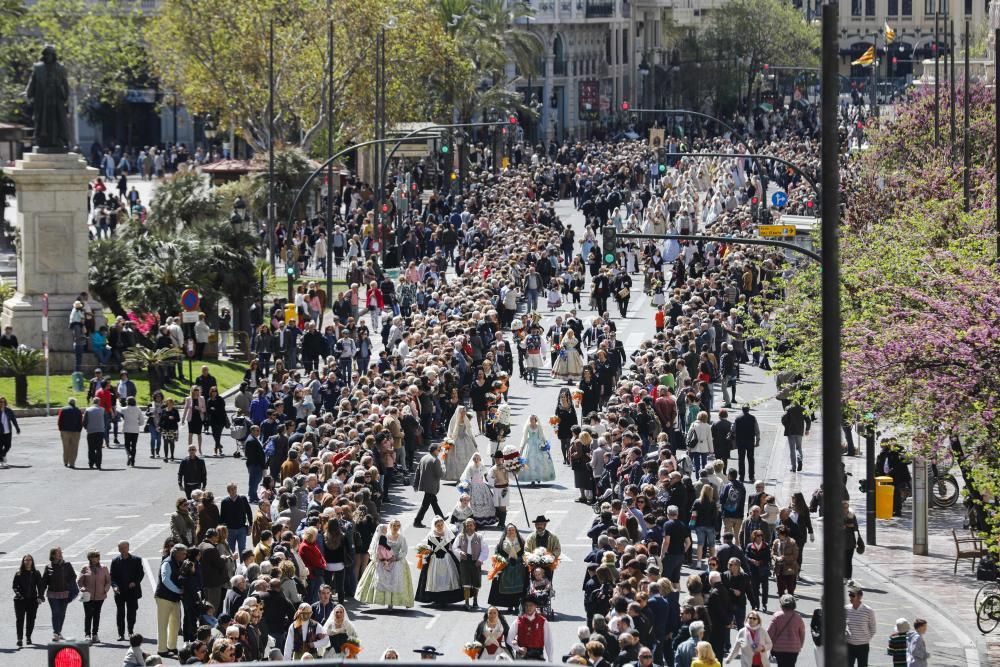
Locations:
(340, 630)
(470, 549)
(535, 451)
(566, 414)
(438, 582)
(492, 634)
(569, 363)
(387, 580)
(480, 495)
(462, 509)
(463, 444)
(510, 585)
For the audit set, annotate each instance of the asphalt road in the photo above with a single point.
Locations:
(45, 505)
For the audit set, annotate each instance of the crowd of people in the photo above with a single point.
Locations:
(335, 424)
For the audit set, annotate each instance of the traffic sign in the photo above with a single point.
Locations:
(779, 199)
(776, 230)
(190, 300)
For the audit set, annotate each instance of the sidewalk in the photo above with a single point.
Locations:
(897, 583)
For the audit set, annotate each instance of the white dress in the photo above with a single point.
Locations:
(539, 466)
(569, 362)
(474, 476)
(463, 445)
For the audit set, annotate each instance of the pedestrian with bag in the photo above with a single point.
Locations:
(132, 422)
(788, 633)
(94, 582)
(28, 594)
(60, 588)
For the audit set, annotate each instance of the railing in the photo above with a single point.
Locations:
(600, 9)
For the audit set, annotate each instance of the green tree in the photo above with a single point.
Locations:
(100, 44)
(215, 55)
(754, 32)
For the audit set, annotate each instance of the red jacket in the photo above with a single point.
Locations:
(376, 296)
(313, 558)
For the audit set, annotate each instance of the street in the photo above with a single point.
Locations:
(84, 509)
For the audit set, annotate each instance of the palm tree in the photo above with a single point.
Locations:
(152, 361)
(20, 362)
(489, 33)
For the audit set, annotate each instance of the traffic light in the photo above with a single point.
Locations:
(290, 270)
(625, 106)
(513, 119)
(610, 242)
(454, 176)
(766, 67)
(69, 654)
(662, 168)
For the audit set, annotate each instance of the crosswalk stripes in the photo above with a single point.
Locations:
(43, 540)
(89, 541)
(143, 536)
(7, 536)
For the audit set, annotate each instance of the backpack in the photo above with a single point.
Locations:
(730, 499)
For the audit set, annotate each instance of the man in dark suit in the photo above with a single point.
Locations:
(126, 582)
(430, 472)
(191, 473)
(253, 450)
(236, 515)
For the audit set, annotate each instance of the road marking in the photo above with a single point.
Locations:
(557, 511)
(38, 542)
(563, 558)
(150, 579)
(86, 518)
(128, 516)
(24, 523)
(140, 538)
(6, 536)
(430, 623)
(88, 542)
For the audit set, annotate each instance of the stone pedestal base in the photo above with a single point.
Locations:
(52, 252)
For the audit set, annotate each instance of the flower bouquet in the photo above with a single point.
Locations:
(553, 421)
(423, 552)
(498, 564)
(577, 398)
(541, 557)
(350, 649)
(472, 649)
(446, 448)
(545, 446)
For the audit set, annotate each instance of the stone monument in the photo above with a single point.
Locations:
(51, 221)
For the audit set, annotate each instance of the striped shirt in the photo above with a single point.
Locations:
(861, 625)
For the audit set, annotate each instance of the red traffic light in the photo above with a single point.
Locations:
(413, 187)
(512, 120)
(766, 67)
(895, 60)
(68, 656)
(385, 208)
(809, 204)
(754, 201)
(860, 125)
(624, 106)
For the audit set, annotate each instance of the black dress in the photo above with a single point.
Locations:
(591, 395)
(510, 586)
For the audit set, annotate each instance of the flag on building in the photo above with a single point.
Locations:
(890, 34)
(867, 59)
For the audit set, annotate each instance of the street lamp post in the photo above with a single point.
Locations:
(329, 152)
(270, 144)
(241, 312)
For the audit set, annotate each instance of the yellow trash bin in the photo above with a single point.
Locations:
(291, 313)
(883, 497)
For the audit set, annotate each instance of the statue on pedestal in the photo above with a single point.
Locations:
(48, 92)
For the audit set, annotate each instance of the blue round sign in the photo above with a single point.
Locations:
(190, 300)
(779, 199)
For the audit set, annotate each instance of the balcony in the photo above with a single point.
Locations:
(600, 9)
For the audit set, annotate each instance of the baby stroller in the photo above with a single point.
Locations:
(239, 430)
(542, 593)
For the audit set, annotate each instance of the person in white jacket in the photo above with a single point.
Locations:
(699, 442)
(132, 423)
(751, 639)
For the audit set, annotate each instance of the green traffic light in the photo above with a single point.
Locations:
(291, 270)
(609, 258)
(663, 168)
(445, 148)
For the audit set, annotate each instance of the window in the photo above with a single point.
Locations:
(968, 7)
(625, 47)
(893, 7)
(907, 7)
(855, 7)
(869, 7)
(929, 7)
